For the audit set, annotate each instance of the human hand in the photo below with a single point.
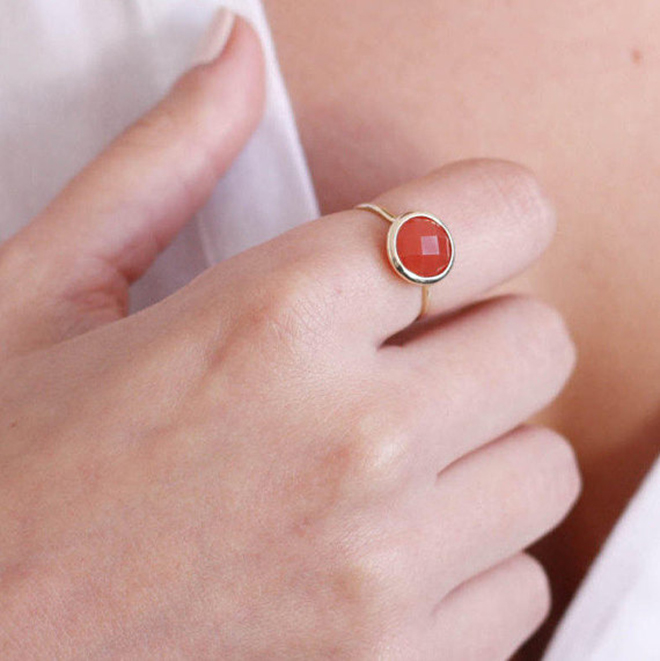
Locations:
(247, 470)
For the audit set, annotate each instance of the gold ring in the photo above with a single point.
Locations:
(419, 246)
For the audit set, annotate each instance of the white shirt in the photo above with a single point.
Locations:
(615, 615)
(74, 73)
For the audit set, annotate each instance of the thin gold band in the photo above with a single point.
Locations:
(381, 211)
(391, 218)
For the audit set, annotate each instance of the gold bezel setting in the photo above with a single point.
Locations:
(410, 276)
(396, 223)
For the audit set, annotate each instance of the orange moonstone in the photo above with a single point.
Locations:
(424, 247)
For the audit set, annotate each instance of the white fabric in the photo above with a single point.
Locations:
(73, 73)
(616, 614)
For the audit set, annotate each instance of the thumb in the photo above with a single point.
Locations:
(70, 269)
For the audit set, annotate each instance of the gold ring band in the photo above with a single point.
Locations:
(420, 248)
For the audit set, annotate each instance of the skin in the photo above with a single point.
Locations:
(571, 89)
(276, 467)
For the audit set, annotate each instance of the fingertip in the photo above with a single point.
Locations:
(527, 210)
(218, 105)
(246, 45)
(237, 73)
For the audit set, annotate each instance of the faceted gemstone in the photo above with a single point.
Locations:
(423, 247)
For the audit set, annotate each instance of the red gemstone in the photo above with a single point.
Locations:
(424, 247)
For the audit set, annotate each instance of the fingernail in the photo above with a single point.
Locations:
(216, 37)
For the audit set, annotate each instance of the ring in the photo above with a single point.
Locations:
(419, 246)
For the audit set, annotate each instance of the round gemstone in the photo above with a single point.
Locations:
(424, 247)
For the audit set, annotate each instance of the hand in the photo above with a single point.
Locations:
(248, 470)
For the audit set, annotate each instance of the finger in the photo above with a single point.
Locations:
(113, 219)
(508, 493)
(490, 616)
(478, 375)
(500, 220)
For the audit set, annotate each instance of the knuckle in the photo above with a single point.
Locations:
(304, 292)
(369, 462)
(380, 462)
(293, 308)
(369, 590)
(380, 447)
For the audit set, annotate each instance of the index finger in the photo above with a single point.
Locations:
(499, 218)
